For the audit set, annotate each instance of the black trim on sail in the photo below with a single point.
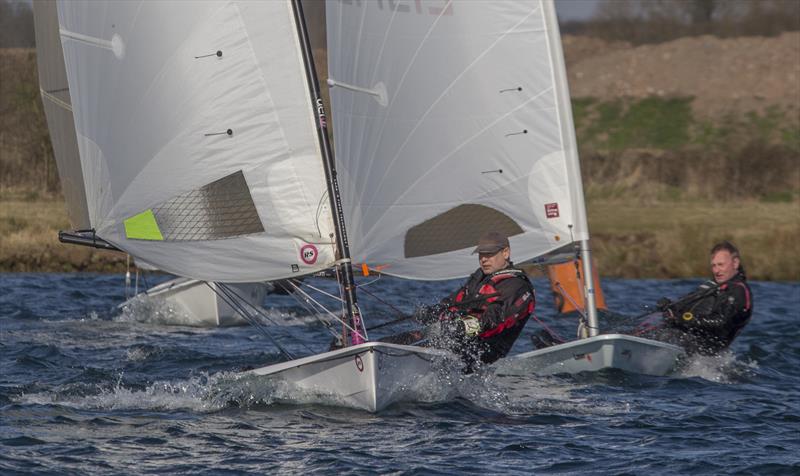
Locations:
(344, 267)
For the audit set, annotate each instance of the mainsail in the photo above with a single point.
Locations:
(197, 138)
(450, 119)
(58, 110)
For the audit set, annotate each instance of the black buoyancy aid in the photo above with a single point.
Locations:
(475, 297)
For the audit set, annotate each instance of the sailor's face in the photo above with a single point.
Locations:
(492, 262)
(723, 266)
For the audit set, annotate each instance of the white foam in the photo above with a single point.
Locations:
(195, 394)
(208, 393)
(721, 368)
(150, 310)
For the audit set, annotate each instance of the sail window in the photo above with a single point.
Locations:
(143, 227)
(221, 209)
(456, 229)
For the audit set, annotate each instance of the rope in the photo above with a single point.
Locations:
(337, 298)
(228, 298)
(307, 296)
(308, 308)
(548, 328)
(395, 309)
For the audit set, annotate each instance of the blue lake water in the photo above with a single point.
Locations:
(86, 389)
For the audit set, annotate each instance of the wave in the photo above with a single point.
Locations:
(721, 368)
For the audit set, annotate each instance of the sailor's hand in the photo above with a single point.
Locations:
(663, 304)
(472, 326)
(669, 316)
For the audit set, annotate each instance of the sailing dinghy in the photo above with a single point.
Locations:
(203, 149)
(454, 118)
(202, 131)
(190, 302)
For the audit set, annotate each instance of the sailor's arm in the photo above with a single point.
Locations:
(728, 306)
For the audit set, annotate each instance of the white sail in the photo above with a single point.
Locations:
(58, 110)
(450, 119)
(197, 140)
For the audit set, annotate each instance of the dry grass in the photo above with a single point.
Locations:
(632, 239)
(670, 240)
(29, 239)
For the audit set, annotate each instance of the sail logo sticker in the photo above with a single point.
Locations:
(308, 253)
(323, 121)
(437, 8)
(551, 210)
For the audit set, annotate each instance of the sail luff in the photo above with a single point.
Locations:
(343, 263)
(581, 225)
(57, 104)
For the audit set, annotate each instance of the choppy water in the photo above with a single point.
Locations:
(85, 389)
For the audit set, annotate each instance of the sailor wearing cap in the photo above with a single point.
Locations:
(484, 317)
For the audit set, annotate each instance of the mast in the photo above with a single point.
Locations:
(344, 266)
(589, 297)
(573, 164)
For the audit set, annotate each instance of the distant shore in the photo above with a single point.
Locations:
(630, 238)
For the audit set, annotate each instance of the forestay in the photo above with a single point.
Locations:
(452, 118)
(58, 110)
(197, 141)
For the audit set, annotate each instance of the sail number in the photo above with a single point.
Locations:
(420, 7)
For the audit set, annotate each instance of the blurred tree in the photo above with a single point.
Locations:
(653, 21)
(16, 24)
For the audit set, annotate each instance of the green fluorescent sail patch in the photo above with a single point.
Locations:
(143, 227)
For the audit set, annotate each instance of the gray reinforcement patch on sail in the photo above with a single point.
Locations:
(222, 209)
(456, 229)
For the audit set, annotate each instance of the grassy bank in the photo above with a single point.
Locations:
(631, 239)
(663, 183)
(671, 240)
(29, 226)
(658, 148)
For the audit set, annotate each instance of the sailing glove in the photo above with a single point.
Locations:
(472, 326)
(663, 304)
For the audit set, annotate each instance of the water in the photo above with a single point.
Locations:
(85, 389)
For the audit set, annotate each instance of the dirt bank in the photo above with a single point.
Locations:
(722, 75)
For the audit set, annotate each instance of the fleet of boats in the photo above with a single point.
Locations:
(193, 136)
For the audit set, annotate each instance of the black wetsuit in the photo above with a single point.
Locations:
(709, 324)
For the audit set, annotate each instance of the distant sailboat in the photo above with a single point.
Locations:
(189, 302)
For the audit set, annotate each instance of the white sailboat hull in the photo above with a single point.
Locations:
(608, 351)
(196, 304)
(368, 376)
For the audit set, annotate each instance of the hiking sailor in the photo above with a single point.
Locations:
(483, 318)
(707, 320)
